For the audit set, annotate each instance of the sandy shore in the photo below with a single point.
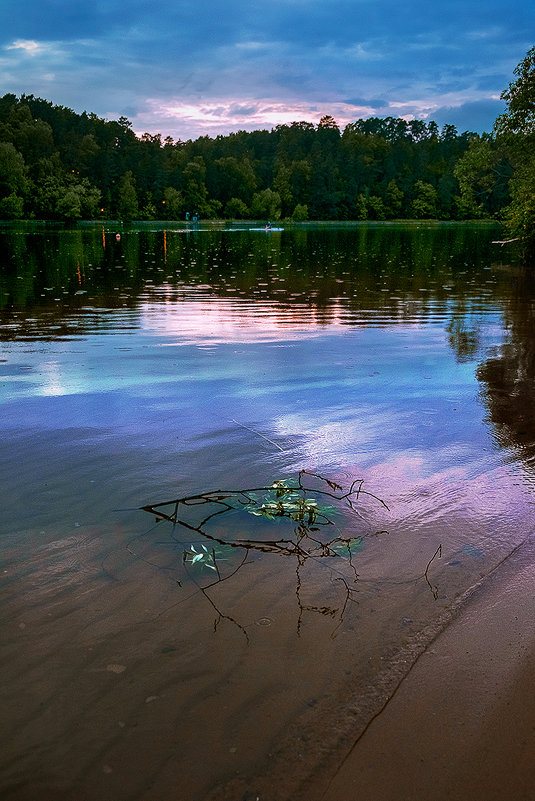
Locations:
(112, 693)
(462, 723)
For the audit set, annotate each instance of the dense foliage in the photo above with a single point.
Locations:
(57, 164)
(507, 157)
(515, 136)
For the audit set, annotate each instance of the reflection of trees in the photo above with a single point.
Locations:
(343, 273)
(51, 273)
(509, 377)
(464, 339)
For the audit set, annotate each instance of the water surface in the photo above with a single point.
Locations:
(143, 365)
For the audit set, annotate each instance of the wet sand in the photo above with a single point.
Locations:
(116, 693)
(461, 724)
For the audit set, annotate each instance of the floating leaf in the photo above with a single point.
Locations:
(204, 558)
(348, 547)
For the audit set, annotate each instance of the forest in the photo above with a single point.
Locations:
(57, 164)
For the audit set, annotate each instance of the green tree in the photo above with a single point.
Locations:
(11, 207)
(371, 169)
(235, 208)
(300, 213)
(232, 177)
(328, 134)
(282, 184)
(376, 208)
(425, 201)
(266, 205)
(148, 211)
(394, 199)
(32, 137)
(520, 214)
(292, 180)
(519, 116)
(77, 200)
(173, 203)
(294, 141)
(88, 150)
(361, 207)
(12, 170)
(128, 203)
(515, 134)
(195, 191)
(47, 179)
(475, 173)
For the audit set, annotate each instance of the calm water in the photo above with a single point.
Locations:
(152, 365)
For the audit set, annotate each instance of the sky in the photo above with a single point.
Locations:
(189, 68)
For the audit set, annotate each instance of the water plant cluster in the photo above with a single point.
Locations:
(287, 502)
(310, 514)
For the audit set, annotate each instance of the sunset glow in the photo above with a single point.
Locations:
(188, 71)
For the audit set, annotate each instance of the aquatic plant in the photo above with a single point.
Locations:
(284, 501)
(202, 557)
(319, 519)
(308, 511)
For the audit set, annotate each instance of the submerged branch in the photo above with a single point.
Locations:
(307, 508)
(434, 589)
(221, 615)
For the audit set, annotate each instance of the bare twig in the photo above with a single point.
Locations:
(279, 500)
(433, 589)
(258, 434)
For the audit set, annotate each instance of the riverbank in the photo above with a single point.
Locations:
(462, 723)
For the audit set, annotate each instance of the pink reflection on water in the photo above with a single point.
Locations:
(217, 321)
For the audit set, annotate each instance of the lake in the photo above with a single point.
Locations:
(246, 478)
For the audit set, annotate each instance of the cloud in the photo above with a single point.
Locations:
(187, 120)
(29, 47)
(171, 62)
(372, 103)
(241, 110)
(477, 115)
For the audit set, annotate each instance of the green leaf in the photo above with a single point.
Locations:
(348, 547)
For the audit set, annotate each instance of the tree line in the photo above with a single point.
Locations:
(58, 164)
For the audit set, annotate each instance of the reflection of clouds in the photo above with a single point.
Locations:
(219, 321)
(462, 492)
(336, 435)
(53, 381)
(464, 500)
(321, 437)
(195, 317)
(476, 496)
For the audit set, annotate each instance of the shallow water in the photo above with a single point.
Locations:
(157, 364)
